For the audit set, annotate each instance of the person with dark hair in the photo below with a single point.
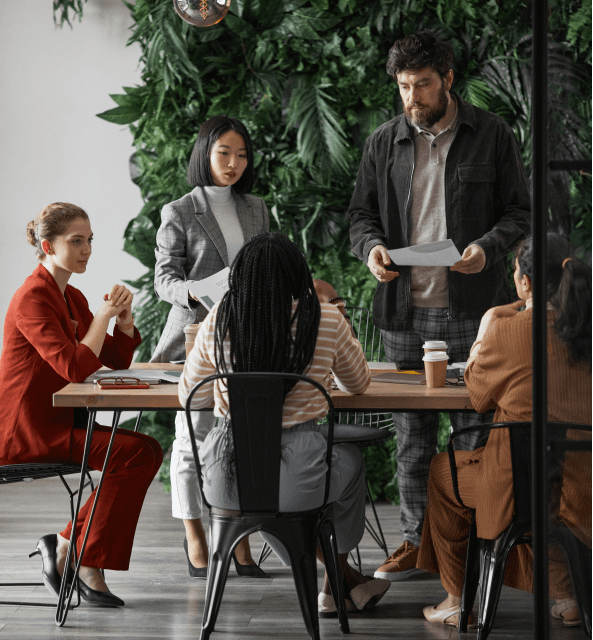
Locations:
(272, 320)
(200, 234)
(442, 169)
(499, 376)
(51, 339)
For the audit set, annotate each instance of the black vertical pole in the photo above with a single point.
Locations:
(539, 217)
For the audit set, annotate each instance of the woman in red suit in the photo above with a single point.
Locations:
(50, 339)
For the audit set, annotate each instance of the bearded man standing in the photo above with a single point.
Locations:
(442, 169)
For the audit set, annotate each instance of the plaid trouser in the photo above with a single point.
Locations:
(417, 432)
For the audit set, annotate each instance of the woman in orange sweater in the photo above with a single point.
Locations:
(499, 376)
(50, 339)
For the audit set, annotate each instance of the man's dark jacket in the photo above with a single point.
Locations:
(487, 203)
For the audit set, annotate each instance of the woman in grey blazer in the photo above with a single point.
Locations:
(200, 234)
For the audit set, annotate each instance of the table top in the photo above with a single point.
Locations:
(385, 396)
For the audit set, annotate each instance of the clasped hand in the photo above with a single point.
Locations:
(118, 302)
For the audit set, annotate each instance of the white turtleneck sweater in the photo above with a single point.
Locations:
(224, 208)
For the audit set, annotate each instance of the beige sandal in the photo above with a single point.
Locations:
(432, 614)
(563, 606)
(366, 595)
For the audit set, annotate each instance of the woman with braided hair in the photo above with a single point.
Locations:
(272, 320)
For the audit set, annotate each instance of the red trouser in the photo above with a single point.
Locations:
(135, 460)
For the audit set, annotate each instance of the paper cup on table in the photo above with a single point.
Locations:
(435, 368)
(434, 345)
(191, 331)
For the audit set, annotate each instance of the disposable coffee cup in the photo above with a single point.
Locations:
(434, 345)
(435, 368)
(191, 331)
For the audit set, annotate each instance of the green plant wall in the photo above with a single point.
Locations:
(308, 79)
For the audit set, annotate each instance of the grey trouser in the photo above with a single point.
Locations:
(302, 480)
(186, 500)
(417, 432)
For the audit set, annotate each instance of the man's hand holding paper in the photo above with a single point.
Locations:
(472, 260)
(377, 261)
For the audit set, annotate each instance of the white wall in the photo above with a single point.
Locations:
(53, 147)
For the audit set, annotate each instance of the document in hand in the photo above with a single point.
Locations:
(442, 253)
(210, 290)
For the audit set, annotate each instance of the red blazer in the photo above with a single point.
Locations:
(40, 356)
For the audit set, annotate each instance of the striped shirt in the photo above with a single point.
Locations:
(336, 349)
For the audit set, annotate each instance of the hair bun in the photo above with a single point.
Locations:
(31, 235)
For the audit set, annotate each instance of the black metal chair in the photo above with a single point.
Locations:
(256, 401)
(28, 472)
(486, 559)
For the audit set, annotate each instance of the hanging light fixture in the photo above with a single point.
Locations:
(202, 13)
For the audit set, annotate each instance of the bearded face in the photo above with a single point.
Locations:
(425, 95)
(424, 115)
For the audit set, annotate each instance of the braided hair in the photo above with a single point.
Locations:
(268, 273)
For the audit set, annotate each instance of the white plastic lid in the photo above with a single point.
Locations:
(435, 356)
(435, 344)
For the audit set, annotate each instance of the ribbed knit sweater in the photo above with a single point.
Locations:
(500, 378)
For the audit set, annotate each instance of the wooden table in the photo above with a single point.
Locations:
(380, 396)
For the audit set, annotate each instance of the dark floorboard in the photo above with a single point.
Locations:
(163, 602)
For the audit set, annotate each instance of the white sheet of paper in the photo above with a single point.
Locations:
(210, 290)
(442, 253)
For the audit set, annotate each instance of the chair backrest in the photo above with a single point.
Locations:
(558, 444)
(520, 444)
(372, 345)
(368, 335)
(255, 403)
(520, 441)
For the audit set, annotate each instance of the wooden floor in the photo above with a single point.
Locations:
(163, 602)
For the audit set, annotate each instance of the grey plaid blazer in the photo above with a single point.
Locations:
(190, 246)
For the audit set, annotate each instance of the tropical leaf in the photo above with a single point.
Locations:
(63, 8)
(140, 240)
(122, 115)
(321, 140)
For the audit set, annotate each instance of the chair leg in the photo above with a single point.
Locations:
(329, 549)
(487, 562)
(494, 554)
(378, 535)
(264, 554)
(301, 550)
(223, 536)
(471, 578)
